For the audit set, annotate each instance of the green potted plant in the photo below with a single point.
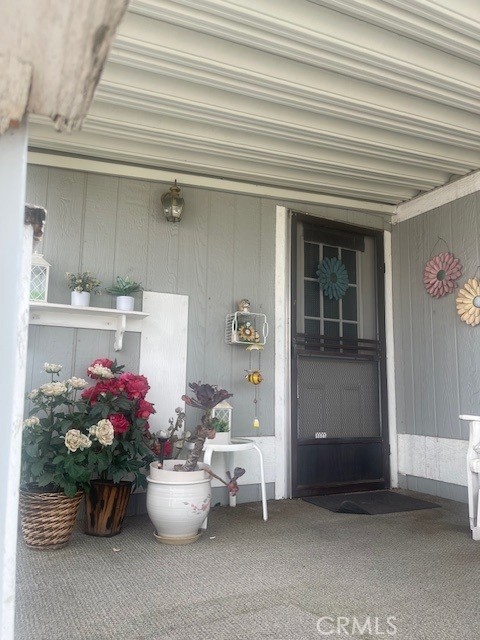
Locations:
(222, 431)
(82, 285)
(123, 288)
(54, 465)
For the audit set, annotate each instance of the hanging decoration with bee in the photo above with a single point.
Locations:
(254, 376)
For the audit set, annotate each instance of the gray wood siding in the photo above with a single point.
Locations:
(221, 252)
(436, 354)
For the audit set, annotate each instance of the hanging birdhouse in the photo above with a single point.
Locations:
(39, 276)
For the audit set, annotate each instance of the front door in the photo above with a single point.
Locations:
(339, 426)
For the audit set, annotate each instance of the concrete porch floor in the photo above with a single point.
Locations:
(246, 579)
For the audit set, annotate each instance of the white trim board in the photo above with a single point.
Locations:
(206, 182)
(282, 354)
(442, 459)
(437, 197)
(390, 364)
(163, 353)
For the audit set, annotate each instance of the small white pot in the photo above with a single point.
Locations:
(80, 299)
(125, 303)
(177, 501)
(221, 437)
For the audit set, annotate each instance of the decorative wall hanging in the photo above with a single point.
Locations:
(245, 327)
(333, 278)
(468, 302)
(441, 273)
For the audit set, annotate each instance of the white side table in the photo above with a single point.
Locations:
(237, 444)
(473, 474)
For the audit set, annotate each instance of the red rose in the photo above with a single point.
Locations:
(145, 409)
(167, 449)
(135, 386)
(119, 422)
(90, 395)
(105, 362)
(102, 386)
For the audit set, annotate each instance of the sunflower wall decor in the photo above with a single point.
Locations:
(468, 302)
(333, 278)
(441, 273)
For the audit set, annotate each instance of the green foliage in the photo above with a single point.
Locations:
(124, 287)
(220, 426)
(67, 441)
(83, 282)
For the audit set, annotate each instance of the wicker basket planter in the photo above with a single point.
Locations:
(48, 519)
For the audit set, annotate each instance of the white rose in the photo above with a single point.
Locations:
(53, 389)
(31, 422)
(104, 432)
(86, 443)
(52, 368)
(77, 383)
(33, 394)
(74, 440)
(100, 371)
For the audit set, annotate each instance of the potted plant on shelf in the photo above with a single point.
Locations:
(82, 285)
(179, 493)
(123, 289)
(54, 464)
(117, 409)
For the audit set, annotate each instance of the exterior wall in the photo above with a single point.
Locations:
(222, 251)
(436, 353)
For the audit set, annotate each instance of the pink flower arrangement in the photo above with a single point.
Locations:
(119, 398)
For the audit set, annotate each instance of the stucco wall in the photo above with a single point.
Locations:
(437, 354)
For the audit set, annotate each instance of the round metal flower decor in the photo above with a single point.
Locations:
(468, 302)
(440, 274)
(333, 278)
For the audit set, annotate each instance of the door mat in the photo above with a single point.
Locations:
(370, 502)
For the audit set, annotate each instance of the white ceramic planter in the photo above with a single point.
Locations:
(125, 303)
(80, 299)
(177, 501)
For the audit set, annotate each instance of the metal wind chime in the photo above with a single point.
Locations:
(254, 377)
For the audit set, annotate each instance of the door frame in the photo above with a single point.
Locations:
(378, 236)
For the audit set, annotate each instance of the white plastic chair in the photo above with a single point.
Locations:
(473, 474)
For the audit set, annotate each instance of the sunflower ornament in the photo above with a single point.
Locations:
(468, 302)
(441, 273)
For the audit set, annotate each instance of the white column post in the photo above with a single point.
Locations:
(15, 257)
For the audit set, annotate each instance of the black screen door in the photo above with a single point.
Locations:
(339, 429)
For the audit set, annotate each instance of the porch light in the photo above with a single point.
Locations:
(39, 276)
(173, 203)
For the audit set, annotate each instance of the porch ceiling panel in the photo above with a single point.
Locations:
(376, 100)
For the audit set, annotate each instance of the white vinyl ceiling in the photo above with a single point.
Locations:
(374, 100)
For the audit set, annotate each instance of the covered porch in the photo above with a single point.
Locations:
(362, 119)
(297, 577)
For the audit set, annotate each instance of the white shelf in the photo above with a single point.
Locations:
(64, 315)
